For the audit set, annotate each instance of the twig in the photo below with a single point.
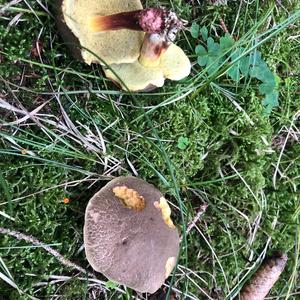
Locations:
(30, 239)
(192, 224)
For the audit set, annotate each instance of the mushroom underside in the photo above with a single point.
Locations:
(120, 46)
(173, 65)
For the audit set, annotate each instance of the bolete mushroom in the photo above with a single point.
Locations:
(129, 235)
(134, 45)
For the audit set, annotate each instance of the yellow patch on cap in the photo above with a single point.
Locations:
(165, 211)
(129, 197)
(170, 264)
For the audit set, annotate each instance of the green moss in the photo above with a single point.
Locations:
(190, 120)
(74, 289)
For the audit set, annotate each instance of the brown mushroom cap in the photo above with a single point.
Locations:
(132, 247)
(120, 46)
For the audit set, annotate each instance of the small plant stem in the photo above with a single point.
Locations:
(30, 239)
(223, 25)
(23, 10)
(200, 213)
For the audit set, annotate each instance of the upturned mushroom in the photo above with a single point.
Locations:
(129, 235)
(134, 45)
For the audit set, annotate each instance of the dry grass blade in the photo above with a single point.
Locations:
(199, 214)
(289, 133)
(8, 5)
(8, 278)
(14, 21)
(5, 105)
(5, 215)
(85, 137)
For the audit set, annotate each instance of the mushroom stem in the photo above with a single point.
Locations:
(152, 49)
(160, 26)
(156, 43)
(150, 20)
(123, 20)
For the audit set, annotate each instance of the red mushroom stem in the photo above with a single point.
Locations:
(150, 20)
(160, 26)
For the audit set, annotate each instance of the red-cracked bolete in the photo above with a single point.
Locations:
(129, 235)
(134, 45)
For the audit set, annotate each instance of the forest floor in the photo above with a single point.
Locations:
(225, 138)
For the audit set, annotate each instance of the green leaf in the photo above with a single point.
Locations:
(213, 65)
(202, 60)
(236, 54)
(195, 30)
(212, 58)
(245, 65)
(202, 55)
(226, 42)
(256, 72)
(214, 50)
(252, 64)
(267, 88)
(262, 72)
(204, 33)
(255, 58)
(234, 72)
(111, 284)
(200, 50)
(270, 101)
(268, 75)
(210, 42)
(182, 143)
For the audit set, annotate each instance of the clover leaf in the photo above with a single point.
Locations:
(245, 65)
(202, 55)
(242, 65)
(195, 30)
(234, 72)
(214, 56)
(182, 143)
(111, 284)
(204, 33)
(226, 42)
(262, 72)
(267, 88)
